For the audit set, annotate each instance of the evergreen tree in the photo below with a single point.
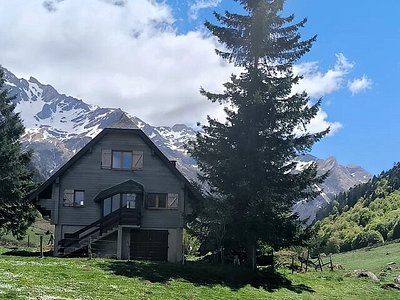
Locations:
(249, 158)
(16, 213)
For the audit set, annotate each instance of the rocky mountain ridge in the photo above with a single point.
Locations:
(340, 179)
(57, 126)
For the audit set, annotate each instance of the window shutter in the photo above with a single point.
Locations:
(68, 199)
(137, 161)
(106, 159)
(172, 201)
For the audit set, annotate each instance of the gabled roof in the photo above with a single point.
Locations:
(95, 140)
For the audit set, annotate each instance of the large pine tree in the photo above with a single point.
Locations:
(16, 212)
(249, 160)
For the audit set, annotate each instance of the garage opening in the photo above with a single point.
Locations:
(149, 245)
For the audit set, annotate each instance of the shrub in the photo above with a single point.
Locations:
(396, 230)
(191, 243)
(332, 246)
(367, 238)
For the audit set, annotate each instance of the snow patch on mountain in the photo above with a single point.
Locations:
(57, 126)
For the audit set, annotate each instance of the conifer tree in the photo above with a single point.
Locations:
(249, 160)
(16, 212)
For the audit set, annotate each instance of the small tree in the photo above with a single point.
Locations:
(16, 212)
(367, 238)
(250, 158)
(332, 246)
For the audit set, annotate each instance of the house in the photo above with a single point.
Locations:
(121, 195)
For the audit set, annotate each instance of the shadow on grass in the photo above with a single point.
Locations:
(204, 275)
(27, 253)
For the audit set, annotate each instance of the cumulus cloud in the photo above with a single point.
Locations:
(318, 84)
(358, 85)
(124, 54)
(127, 54)
(201, 4)
(320, 123)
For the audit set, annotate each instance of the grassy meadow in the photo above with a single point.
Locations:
(48, 278)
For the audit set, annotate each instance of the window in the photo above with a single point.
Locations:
(129, 200)
(162, 200)
(122, 160)
(116, 202)
(107, 206)
(113, 203)
(74, 198)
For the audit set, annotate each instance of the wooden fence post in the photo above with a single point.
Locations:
(308, 257)
(29, 244)
(90, 248)
(330, 258)
(301, 261)
(320, 262)
(292, 264)
(41, 246)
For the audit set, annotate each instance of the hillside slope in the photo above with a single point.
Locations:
(366, 214)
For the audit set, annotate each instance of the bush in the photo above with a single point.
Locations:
(382, 228)
(191, 243)
(396, 231)
(332, 246)
(367, 238)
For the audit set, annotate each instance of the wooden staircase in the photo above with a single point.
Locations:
(76, 244)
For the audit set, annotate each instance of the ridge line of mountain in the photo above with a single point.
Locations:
(57, 126)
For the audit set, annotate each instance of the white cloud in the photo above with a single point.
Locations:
(318, 84)
(124, 55)
(201, 4)
(127, 54)
(358, 85)
(320, 123)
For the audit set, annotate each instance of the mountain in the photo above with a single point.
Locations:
(57, 126)
(340, 179)
(366, 214)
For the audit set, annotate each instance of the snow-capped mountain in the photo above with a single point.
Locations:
(57, 126)
(340, 179)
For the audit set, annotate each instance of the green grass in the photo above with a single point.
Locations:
(378, 260)
(56, 278)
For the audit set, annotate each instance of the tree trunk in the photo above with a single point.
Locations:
(251, 256)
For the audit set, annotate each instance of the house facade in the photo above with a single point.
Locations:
(118, 197)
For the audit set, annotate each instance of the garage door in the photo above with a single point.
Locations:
(149, 244)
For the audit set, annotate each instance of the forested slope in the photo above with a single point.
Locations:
(367, 214)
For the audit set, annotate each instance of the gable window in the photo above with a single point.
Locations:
(74, 198)
(121, 160)
(162, 200)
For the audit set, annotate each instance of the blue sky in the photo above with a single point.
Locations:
(367, 34)
(151, 57)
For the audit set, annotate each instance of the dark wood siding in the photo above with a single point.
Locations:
(149, 244)
(86, 174)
